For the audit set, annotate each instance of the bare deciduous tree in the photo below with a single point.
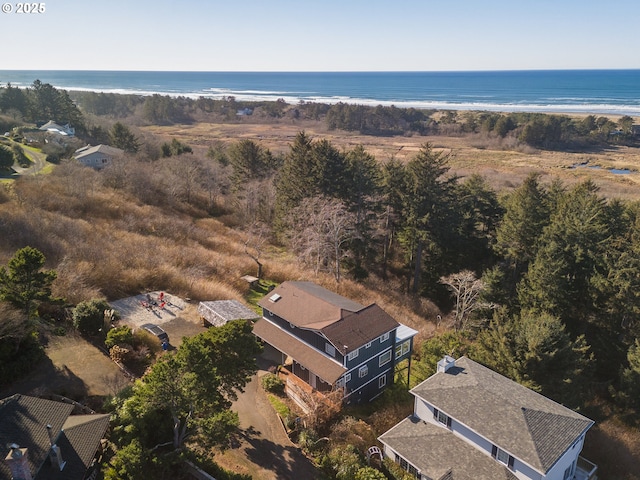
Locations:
(320, 229)
(255, 240)
(466, 290)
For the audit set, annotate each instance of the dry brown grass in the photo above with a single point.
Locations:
(504, 163)
(615, 448)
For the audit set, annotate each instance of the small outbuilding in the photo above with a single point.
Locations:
(219, 312)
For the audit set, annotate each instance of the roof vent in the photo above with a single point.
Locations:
(275, 297)
(446, 363)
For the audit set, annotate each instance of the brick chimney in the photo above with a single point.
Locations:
(18, 463)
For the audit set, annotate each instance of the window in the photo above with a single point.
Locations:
(403, 348)
(330, 349)
(347, 377)
(363, 371)
(368, 345)
(567, 472)
(502, 456)
(384, 358)
(352, 355)
(442, 417)
(382, 381)
(384, 337)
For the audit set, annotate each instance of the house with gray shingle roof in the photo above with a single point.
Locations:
(43, 440)
(98, 157)
(471, 423)
(330, 342)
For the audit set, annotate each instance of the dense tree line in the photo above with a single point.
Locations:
(40, 103)
(558, 264)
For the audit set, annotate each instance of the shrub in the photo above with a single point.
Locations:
(395, 471)
(272, 383)
(344, 462)
(142, 338)
(88, 317)
(119, 336)
(369, 473)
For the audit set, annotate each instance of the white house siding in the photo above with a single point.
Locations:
(425, 412)
(570, 457)
(96, 160)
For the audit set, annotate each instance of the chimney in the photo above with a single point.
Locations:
(18, 463)
(55, 455)
(445, 364)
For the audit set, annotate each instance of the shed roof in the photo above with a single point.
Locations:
(222, 311)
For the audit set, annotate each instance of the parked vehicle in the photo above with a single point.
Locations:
(156, 331)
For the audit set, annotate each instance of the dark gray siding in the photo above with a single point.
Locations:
(308, 336)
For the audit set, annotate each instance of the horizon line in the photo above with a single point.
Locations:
(330, 71)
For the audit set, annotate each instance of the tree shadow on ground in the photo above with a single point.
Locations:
(48, 379)
(286, 462)
(611, 447)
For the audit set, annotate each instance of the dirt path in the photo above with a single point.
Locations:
(265, 451)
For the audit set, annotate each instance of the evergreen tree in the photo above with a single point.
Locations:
(23, 283)
(536, 351)
(426, 205)
(330, 171)
(122, 137)
(13, 99)
(570, 253)
(249, 161)
(296, 179)
(526, 214)
(194, 388)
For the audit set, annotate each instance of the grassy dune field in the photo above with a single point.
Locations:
(503, 168)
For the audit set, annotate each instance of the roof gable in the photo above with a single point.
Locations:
(358, 328)
(24, 420)
(528, 425)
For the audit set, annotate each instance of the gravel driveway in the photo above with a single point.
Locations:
(265, 451)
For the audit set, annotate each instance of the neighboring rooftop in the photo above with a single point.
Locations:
(24, 420)
(528, 425)
(104, 149)
(430, 449)
(219, 312)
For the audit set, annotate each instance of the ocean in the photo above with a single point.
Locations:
(615, 92)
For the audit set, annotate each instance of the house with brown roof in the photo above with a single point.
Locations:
(471, 423)
(331, 342)
(44, 440)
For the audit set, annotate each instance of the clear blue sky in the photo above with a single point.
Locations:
(329, 35)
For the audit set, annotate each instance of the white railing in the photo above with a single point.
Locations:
(586, 470)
